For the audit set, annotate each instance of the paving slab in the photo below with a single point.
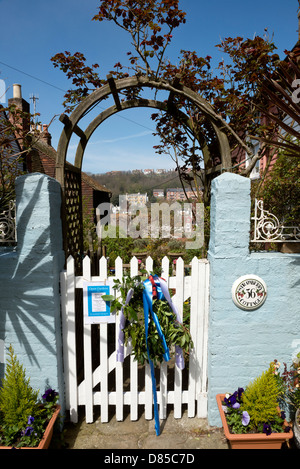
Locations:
(175, 434)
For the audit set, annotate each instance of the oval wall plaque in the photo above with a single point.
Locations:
(249, 292)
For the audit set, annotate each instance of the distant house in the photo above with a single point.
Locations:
(179, 194)
(158, 193)
(135, 199)
(114, 173)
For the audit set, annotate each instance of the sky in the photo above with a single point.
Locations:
(33, 31)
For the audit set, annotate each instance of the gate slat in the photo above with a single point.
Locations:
(64, 321)
(104, 373)
(103, 337)
(179, 304)
(134, 267)
(148, 393)
(148, 380)
(165, 265)
(103, 268)
(194, 334)
(163, 385)
(163, 401)
(149, 264)
(71, 340)
(202, 339)
(119, 365)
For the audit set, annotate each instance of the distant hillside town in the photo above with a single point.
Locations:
(155, 183)
(143, 171)
(171, 194)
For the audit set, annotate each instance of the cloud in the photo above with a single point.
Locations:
(125, 137)
(73, 146)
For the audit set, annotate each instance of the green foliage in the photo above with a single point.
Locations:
(90, 240)
(116, 245)
(290, 378)
(17, 398)
(294, 391)
(175, 333)
(235, 422)
(256, 409)
(261, 397)
(11, 156)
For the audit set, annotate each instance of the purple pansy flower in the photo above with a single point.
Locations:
(232, 400)
(49, 395)
(236, 405)
(30, 420)
(267, 429)
(27, 431)
(245, 418)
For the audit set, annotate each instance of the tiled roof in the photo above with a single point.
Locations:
(51, 153)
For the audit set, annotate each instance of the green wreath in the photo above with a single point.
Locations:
(175, 333)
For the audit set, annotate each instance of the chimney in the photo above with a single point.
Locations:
(17, 91)
(22, 105)
(45, 135)
(17, 99)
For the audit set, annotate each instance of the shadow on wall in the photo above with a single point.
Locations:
(29, 278)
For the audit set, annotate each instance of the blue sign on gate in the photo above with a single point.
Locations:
(96, 309)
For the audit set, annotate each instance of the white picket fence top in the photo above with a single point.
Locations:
(194, 286)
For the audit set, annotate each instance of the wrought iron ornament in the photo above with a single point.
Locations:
(267, 227)
(8, 232)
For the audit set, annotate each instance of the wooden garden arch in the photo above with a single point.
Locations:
(69, 176)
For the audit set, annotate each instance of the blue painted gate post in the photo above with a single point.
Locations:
(29, 278)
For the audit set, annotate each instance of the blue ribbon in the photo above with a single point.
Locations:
(162, 294)
(147, 303)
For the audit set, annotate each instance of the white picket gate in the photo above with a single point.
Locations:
(88, 393)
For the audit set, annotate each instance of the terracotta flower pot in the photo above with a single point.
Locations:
(46, 439)
(251, 440)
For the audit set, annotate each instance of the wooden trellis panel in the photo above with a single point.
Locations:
(73, 215)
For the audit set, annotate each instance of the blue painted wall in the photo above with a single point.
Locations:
(242, 343)
(29, 282)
